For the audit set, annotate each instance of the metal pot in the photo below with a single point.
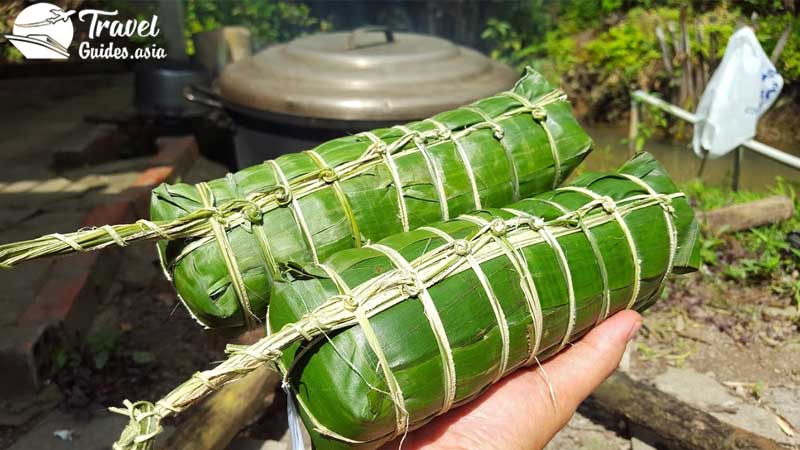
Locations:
(159, 86)
(293, 96)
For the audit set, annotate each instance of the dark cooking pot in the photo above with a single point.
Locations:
(293, 96)
(159, 87)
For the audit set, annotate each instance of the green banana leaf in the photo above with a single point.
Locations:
(526, 280)
(361, 188)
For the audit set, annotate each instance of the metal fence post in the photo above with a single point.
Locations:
(633, 130)
(737, 168)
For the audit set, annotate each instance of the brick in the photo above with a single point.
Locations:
(72, 287)
(88, 144)
(25, 354)
(154, 176)
(175, 151)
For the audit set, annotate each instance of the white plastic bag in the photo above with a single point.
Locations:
(742, 88)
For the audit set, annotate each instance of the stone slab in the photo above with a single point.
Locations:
(785, 400)
(707, 393)
(62, 431)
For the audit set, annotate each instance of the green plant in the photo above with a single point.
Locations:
(268, 20)
(507, 41)
(8, 11)
(652, 120)
(627, 48)
(769, 31)
(600, 50)
(758, 389)
(709, 245)
(769, 257)
(101, 345)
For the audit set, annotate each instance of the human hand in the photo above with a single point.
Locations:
(518, 412)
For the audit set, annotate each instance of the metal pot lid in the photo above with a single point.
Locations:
(366, 74)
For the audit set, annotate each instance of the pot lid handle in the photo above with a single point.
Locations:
(202, 95)
(351, 39)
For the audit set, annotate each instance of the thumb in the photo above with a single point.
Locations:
(577, 372)
(519, 409)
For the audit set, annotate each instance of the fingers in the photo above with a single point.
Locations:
(518, 412)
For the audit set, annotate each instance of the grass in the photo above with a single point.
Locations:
(766, 256)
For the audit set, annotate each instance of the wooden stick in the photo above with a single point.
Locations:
(673, 34)
(665, 53)
(667, 417)
(713, 43)
(702, 65)
(679, 55)
(776, 52)
(748, 215)
(688, 76)
(219, 419)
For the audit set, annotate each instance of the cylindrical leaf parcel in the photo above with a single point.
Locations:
(440, 313)
(306, 206)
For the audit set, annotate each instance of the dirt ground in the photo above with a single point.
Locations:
(740, 333)
(742, 339)
(141, 345)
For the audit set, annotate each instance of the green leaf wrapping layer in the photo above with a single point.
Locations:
(468, 323)
(358, 188)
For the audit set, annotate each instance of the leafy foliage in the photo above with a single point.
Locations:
(600, 49)
(268, 20)
(8, 11)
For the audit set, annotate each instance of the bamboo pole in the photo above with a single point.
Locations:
(702, 164)
(688, 72)
(678, 45)
(737, 168)
(776, 52)
(713, 44)
(702, 64)
(666, 55)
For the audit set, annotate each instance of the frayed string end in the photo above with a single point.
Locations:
(143, 427)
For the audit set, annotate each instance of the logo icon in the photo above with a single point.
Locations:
(42, 31)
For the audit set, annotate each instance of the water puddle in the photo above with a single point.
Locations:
(758, 172)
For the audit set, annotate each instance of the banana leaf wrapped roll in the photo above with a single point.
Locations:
(222, 241)
(380, 339)
(464, 302)
(306, 206)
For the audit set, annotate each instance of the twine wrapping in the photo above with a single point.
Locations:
(384, 291)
